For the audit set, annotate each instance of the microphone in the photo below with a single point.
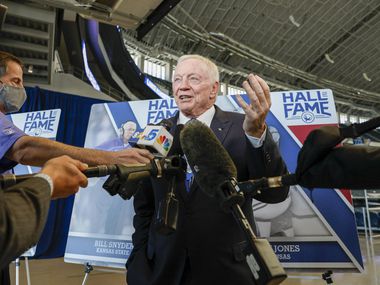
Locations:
(167, 214)
(126, 178)
(7, 180)
(255, 186)
(211, 164)
(122, 177)
(157, 138)
(215, 173)
(347, 166)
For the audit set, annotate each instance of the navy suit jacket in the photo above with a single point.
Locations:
(207, 247)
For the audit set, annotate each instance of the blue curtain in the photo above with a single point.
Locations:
(75, 112)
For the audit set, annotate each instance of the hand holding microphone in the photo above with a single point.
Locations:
(158, 140)
(154, 141)
(133, 156)
(140, 163)
(66, 174)
(321, 163)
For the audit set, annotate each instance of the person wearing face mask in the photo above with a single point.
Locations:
(12, 97)
(17, 147)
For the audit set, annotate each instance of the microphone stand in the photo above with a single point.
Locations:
(262, 261)
(167, 214)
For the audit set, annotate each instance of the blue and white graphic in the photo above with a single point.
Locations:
(311, 229)
(308, 106)
(38, 124)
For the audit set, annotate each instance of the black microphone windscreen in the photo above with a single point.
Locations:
(210, 162)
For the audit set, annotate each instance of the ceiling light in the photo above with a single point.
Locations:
(294, 22)
(328, 58)
(366, 77)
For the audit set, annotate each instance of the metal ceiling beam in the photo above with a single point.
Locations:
(161, 11)
(13, 29)
(85, 11)
(31, 13)
(221, 41)
(24, 46)
(34, 61)
(344, 37)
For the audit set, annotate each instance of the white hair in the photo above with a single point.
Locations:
(212, 68)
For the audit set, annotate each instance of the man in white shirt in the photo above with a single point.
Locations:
(208, 245)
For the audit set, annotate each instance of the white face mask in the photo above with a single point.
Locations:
(12, 97)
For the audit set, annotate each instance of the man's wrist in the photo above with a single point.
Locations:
(258, 133)
(257, 141)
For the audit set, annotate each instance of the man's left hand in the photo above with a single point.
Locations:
(133, 156)
(260, 102)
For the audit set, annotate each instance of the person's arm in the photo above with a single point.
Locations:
(266, 160)
(24, 206)
(36, 151)
(23, 212)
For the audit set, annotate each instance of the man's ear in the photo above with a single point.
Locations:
(214, 90)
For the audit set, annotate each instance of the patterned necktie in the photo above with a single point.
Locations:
(189, 180)
(189, 173)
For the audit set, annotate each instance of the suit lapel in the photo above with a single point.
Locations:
(220, 124)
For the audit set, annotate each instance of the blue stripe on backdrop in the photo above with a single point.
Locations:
(71, 130)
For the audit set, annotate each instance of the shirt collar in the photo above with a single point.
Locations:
(205, 118)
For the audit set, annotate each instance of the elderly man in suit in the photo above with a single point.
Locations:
(207, 247)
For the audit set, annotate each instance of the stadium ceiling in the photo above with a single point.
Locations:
(131, 14)
(29, 28)
(293, 44)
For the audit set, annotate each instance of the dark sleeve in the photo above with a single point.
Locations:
(23, 212)
(266, 161)
(144, 210)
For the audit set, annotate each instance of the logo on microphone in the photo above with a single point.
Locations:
(151, 136)
(164, 141)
